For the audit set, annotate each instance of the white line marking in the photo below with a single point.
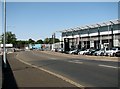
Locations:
(108, 66)
(75, 62)
(52, 73)
(53, 58)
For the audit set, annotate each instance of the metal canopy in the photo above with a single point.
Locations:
(111, 22)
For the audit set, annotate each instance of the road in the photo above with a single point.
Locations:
(88, 73)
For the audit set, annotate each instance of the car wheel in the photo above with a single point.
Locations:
(113, 54)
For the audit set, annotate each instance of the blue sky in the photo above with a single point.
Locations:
(38, 20)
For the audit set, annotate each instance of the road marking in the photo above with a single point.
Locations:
(54, 74)
(76, 62)
(108, 66)
(53, 58)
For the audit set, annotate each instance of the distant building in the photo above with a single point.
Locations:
(34, 46)
(9, 48)
(56, 45)
(99, 35)
(7, 45)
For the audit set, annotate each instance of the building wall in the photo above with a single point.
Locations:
(94, 37)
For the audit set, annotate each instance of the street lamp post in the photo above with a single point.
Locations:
(4, 38)
(112, 33)
(53, 36)
(99, 40)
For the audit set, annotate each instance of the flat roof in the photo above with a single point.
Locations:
(108, 23)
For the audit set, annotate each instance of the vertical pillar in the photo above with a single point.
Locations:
(98, 38)
(108, 37)
(72, 40)
(112, 43)
(88, 42)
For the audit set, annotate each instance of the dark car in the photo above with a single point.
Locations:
(89, 53)
(92, 51)
(77, 51)
(117, 54)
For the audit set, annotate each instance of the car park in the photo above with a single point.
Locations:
(84, 51)
(117, 54)
(106, 51)
(91, 52)
(99, 52)
(73, 51)
(78, 50)
(60, 50)
(113, 51)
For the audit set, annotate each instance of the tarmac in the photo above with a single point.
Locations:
(18, 75)
(89, 57)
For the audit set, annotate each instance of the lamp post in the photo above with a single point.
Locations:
(112, 44)
(79, 41)
(88, 42)
(99, 42)
(4, 38)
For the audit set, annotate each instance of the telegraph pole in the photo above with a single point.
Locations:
(53, 38)
(4, 39)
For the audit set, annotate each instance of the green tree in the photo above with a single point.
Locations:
(46, 40)
(57, 40)
(31, 41)
(50, 40)
(39, 42)
(10, 38)
(20, 43)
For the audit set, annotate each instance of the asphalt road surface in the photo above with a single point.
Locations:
(88, 73)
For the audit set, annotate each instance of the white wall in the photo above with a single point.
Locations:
(91, 43)
(7, 45)
(116, 42)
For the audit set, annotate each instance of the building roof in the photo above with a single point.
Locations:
(108, 23)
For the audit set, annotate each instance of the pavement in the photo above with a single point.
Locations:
(18, 75)
(0, 73)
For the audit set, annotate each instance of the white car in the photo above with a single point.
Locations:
(85, 51)
(60, 50)
(71, 52)
(99, 53)
(113, 51)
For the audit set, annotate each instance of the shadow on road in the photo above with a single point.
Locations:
(8, 80)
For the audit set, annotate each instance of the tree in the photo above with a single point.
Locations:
(57, 40)
(46, 40)
(50, 40)
(10, 38)
(39, 42)
(30, 41)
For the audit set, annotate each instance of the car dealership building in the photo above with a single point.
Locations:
(99, 35)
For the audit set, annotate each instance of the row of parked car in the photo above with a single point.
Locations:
(115, 51)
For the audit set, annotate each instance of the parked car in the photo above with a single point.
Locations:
(76, 51)
(117, 54)
(99, 52)
(91, 52)
(113, 51)
(60, 50)
(84, 51)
